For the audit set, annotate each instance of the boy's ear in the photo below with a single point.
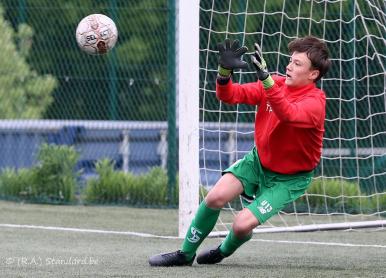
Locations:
(314, 74)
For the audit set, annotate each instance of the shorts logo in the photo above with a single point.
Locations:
(195, 237)
(264, 207)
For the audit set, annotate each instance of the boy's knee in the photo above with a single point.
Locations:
(241, 230)
(215, 201)
(244, 223)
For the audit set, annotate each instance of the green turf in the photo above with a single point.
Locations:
(44, 253)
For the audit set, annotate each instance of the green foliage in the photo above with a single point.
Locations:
(117, 187)
(55, 175)
(23, 92)
(52, 180)
(17, 184)
(338, 196)
(110, 186)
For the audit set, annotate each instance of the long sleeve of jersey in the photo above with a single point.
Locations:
(234, 93)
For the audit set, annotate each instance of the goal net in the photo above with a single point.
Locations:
(349, 187)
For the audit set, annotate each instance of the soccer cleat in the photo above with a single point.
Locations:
(210, 256)
(177, 258)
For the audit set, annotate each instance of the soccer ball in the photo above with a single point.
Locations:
(96, 34)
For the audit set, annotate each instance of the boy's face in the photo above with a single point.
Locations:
(299, 71)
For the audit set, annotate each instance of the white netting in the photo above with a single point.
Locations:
(350, 182)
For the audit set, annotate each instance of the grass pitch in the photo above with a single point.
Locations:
(92, 246)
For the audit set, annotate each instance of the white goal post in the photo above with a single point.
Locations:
(349, 188)
(188, 113)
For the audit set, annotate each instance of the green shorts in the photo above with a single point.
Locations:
(265, 192)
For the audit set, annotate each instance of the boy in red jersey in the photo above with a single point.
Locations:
(289, 129)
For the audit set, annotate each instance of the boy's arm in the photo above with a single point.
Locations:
(234, 93)
(306, 113)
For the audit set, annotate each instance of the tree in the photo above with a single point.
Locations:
(129, 83)
(23, 93)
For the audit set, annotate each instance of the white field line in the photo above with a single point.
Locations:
(78, 230)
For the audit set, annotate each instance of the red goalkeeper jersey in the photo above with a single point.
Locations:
(289, 124)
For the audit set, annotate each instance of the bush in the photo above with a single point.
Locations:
(110, 186)
(118, 187)
(16, 184)
(337, 196)
(52, 180)
(55, 175)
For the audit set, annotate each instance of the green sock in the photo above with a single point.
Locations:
(199, 229)
(232, 242)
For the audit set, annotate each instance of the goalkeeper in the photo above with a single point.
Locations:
(289, 129)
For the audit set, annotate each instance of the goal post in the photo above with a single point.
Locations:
(188, 110)
(349, 187)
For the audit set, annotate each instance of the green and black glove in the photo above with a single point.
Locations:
(261, 68)
(230, 57)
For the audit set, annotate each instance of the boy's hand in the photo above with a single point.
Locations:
(261, 68)
(230, 57)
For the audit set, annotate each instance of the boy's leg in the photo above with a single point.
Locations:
(250, 174)
(201, 226)
(240, 233)
(279, 191)
(232, 242)
(225, 190)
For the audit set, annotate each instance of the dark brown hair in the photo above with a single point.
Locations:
(316, 51)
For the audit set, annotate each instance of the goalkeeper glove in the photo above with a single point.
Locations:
(230, 57)
(261, 68)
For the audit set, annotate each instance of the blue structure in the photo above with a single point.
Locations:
(139, 146)
(135, 149)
